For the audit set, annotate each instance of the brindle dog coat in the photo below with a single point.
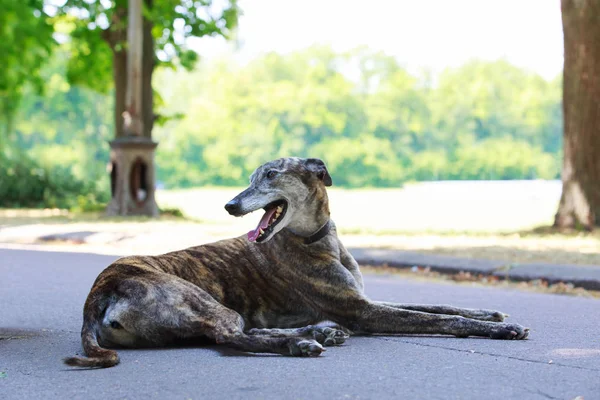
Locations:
(264, 291)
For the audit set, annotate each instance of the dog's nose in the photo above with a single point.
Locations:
(233, 207)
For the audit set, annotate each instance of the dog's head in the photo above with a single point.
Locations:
(292, 193)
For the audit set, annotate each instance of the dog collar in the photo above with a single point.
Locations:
(320, 234)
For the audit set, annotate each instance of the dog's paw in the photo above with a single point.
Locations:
(495, 316)
(487, 315)
(329, 336)
(305, 348)
(509, 332)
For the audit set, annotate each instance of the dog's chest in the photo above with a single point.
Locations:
(280, 305)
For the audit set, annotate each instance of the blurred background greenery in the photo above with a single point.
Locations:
(441, 122)
(373, 121)
(380, 128)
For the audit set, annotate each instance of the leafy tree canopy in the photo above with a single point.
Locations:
(373, 122)
(96, 27)
(380, 127)
(26, 43)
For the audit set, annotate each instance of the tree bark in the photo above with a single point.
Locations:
(132, 153)
(116, 40)
(115, 36)
(580, 201)
(133, 121)
(148, 64)
(120, 79)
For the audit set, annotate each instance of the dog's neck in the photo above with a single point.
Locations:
(312, 215)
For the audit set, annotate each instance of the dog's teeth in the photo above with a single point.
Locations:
(279, 209)
(261, 231)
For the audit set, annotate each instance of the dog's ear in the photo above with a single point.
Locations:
(318, 167)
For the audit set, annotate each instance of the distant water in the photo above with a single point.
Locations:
(422, 206)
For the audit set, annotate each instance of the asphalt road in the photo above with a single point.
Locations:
(42, 293)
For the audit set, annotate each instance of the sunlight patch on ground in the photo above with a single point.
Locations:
(460, 206)
(581, 249)
(462, 219)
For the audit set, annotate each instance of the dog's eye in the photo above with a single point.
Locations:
(271, 174)
(115, 325)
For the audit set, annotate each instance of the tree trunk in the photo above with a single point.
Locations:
(115, 36)
(132, 151)
(120, 79)
(580, 200)
(148, 64)
(133, 121)
(116, 40)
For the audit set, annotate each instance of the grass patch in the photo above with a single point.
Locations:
(467, 279)
(15, 217)
(505, 221)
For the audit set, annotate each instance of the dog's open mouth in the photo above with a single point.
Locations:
(274, 213)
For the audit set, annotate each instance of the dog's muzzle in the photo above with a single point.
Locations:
(234, 207)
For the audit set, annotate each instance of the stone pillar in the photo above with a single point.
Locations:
(132, 177)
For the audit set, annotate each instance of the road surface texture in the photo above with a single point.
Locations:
(42, 294)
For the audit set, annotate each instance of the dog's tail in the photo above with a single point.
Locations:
(97, 357)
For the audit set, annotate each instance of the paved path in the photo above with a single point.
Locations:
(157, 237)
(587, 277)
(42, 293)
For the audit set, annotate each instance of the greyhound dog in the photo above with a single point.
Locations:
(264, 292)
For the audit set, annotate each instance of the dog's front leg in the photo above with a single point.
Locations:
(325, 335)
(372, 317)
(473, 313)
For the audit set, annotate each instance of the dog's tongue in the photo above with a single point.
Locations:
(263, 224)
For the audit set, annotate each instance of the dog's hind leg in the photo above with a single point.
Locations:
(325, 335)
(161, 309)
(472, 313)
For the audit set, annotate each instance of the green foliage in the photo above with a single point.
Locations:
(27, 183)
(59, 152)
(484, 120)
(26, 43)
(97, 27)
(380, 127)
(69, 125)
(373, 122)
(90, 58)
(171, 212)
(502, 158)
